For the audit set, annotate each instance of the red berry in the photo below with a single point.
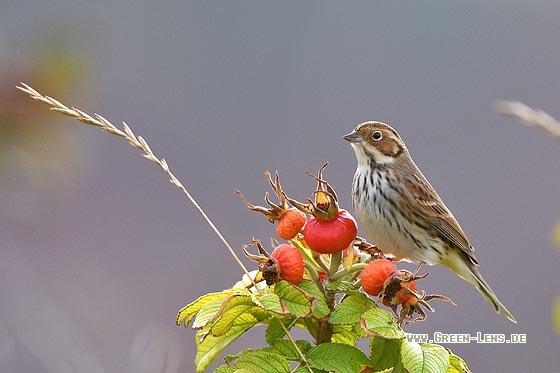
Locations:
(375, 275)
(290, 223)
(289, 263)
(401, 297)
(332, 235)
(404, 297)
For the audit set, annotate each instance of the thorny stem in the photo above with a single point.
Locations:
(324, 327)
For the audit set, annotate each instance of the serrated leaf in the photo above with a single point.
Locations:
(426, 358)
(232, 307)
(225, 369)
(337, 357)
(259, 361)
(261, 314)
(286, 348)
(209, 346)
(207, 312)
(350, 309)
(384, 353)
(272, 303)
(274, 331)
(346, 334)
(305, 370)
(342, 287)
(456, 364)
(186, 313)
(310, 324)
(294, 299)
(320, 306)
(378, 322)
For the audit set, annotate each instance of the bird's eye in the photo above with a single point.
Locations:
(377, 135)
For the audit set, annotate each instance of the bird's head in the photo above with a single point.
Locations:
(377, 142)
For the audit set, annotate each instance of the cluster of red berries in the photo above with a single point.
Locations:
(323, 228)
(321, 225)
(381, 278)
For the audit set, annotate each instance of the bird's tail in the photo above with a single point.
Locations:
(469, 272)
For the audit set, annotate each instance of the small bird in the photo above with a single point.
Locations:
(403, 214)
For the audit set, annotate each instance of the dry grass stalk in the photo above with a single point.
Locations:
(529, 116)
(139, 143)
(136, 141)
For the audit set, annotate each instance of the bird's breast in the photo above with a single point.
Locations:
(385, 218)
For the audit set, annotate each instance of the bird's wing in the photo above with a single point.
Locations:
(427, 202)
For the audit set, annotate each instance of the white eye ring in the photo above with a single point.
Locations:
(376, 136)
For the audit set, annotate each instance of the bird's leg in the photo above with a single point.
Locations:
(416, 276)
(418, 269)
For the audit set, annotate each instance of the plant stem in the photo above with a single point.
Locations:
(324, 327)
(343, 272)
(336, 259)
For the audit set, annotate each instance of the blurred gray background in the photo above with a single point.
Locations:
(99, 251)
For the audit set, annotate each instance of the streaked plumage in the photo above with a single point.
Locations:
(403, 214)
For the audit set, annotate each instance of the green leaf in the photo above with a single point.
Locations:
(209, 346)
(186, 313)
(427, 358)
(285, 348)
(231, 309)
(378, 322)
(456, 364)
(295, 300)
(261, 314)
(310, 324)
(351, 309)
(259, 361)
(337, 357)
(272, 303)
(274, 331)
(225, 369)
(385, 353)
(347, 334)
(343, 287)
(208, 311)
(303, 369)
(320, 308)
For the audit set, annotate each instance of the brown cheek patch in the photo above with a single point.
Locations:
(388, 147)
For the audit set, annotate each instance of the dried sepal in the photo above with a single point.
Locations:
(408, 304)
(323, 186)
(273, 211)
(266, 263)
(324, 204)
(410, 309)
(263, 257)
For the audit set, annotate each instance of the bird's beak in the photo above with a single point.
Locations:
(353, 137)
